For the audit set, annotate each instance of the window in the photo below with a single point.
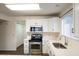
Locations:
(68, 24)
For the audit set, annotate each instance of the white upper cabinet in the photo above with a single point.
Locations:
(35, 22)
(54, 24)
(49, 24)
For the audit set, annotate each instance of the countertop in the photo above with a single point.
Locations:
(72, 48)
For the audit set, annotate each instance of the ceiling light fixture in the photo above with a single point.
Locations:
(26, 1)
(17, 1)
(20, 7)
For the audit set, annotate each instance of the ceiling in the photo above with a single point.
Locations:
(47, 9)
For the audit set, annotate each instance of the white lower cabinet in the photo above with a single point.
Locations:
(50, 54)
(48, 46)
(44, 45)
(50, 50)
(45, 49)
(26, 47)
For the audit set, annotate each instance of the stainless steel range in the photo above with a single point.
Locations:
(35, 44)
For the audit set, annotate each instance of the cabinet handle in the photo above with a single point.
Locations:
(51, 53)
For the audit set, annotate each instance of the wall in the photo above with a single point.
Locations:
(20, 32)
(76, 17)
(4, 17)
(7, 36)
(14, 30)
(66, 9)
(72, 47)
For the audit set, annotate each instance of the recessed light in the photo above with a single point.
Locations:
(23, 7)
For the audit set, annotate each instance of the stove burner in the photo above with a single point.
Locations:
(36, 38)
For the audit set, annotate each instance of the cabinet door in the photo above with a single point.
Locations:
(50, 50)
(45, 47)
(54, 24)
(50, 25)
(57, 25)
(26, 50)
(26, 47)
(45, 25)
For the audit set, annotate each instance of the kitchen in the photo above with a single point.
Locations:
(51, 31)
(45, 32)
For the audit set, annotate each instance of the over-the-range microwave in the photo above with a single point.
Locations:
(35, 29)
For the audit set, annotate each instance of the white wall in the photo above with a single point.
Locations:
(4, 17)
(20, 32)
(76, 17)
(7, 36)
(66, 10)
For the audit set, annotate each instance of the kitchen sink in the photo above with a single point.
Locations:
(59, 46)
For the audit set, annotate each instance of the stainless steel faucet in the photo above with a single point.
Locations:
(66, 41)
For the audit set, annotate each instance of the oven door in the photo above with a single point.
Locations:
(35, 48)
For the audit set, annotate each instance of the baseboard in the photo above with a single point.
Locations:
(45, 54)
(7, 49)
(19, 46)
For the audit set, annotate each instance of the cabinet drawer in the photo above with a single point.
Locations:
(26, 51)
(26, 46)
(26, 42)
